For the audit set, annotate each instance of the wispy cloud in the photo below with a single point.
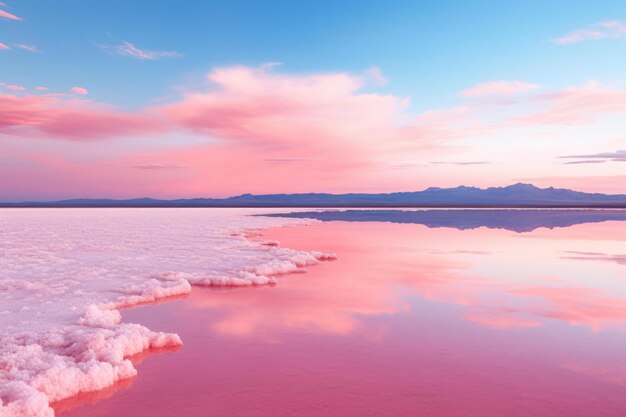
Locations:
(499, 88)
(12, 87)
(128, 49)
(585, 161)
(8, 15)
(27, 47)
(617, 156)
(79, 90)
(4, 47)
(610, 29)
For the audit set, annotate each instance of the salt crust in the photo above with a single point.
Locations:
(64, 275)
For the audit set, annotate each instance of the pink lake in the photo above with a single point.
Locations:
(409, 320)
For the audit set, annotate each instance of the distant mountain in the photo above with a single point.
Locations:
(517, 195)
(519, 221)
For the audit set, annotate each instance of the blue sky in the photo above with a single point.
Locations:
(429, 50)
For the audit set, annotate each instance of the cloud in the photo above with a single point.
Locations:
(4, 47)
(41, 88)
(27, 47)
(255, 128)
(576, 105)
(12, 87)
(316, 115)
(592, 161)
(617, 156)
(8, 15)
(573, 105)
(71, 119)
(129, 49)
(256, 114)
(499, 88)
(610, 29)
(79, 90)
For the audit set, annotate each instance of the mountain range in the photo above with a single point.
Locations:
(516, 195)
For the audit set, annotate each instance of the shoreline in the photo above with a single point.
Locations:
(254, 235)
(98, 348)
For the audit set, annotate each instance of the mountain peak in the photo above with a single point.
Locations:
(522, 186)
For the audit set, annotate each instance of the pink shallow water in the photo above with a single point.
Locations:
(408, 321)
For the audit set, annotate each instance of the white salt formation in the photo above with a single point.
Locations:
(64, 273)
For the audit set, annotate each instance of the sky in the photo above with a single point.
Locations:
(123, 99)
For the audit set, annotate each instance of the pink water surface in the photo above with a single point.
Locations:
(409, 321)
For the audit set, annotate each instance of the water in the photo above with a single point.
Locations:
(411, 319)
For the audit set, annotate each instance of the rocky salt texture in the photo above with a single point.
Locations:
(64, 273)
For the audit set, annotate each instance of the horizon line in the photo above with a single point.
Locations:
(122, 199)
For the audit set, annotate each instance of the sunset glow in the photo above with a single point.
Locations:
(312, 208)
(133, 118)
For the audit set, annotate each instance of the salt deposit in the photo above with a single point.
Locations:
(64, 273)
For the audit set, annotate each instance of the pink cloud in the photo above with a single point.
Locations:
(100, 123)
(40, 88)
(611, 29)
(257, 105)
(4, 47)
(8, 15)
(74, 120)
(79, 90)
(323, 116)
(254, 117)
(499, 88)
(12, 87)
(577, 105)
(324, 121)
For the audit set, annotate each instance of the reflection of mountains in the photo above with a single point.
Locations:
(509, 219)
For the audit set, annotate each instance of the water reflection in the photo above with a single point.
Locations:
(410, 320)
(517, 220)
(497, 279)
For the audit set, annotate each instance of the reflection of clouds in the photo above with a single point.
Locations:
(573, 305)
(611, 375)
(514, 283)
(320, 306)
